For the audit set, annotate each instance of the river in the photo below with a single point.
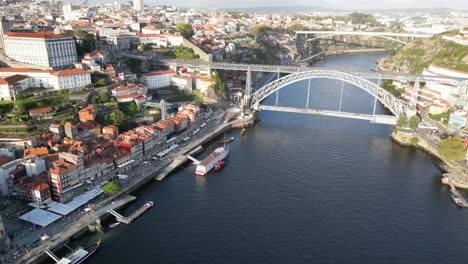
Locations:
(301, 189)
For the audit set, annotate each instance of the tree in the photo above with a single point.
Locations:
(219, 83)
(296, 27)
(414, 141)
(260, 30)
(452, 148)
(101, 83)
(185, 30)
(402, 122)
(111, 187)
(117, 118)
(413, 122)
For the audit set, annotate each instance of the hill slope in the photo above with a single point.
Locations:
(418, 54)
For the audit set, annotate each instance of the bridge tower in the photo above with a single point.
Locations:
(247, 91)
(163, 109)
(414, 99)
(462, 94)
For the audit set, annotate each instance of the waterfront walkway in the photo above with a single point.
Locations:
(138, 177)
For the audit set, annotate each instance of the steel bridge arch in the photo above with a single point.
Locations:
(394, 104)
(344, 34)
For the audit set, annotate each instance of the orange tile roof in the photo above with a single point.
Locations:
(159, 73)
(41, 111)
(35, 152)
(69, 72)
(35, 35)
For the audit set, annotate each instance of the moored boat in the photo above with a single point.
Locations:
(76, 257)
(220, 164)
(226, 140)
(457, 200)
(209, 162)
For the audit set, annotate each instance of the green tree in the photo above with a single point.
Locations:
(260, 30)
(413, 122)
(101, 83)
(219, 83)
(452, 148)
(116, 118)
(111, 187)
(296, 27)
(185, 30)
(402, 122)
(414, 141)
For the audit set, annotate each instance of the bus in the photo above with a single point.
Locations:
(171, 140)
(196, 131)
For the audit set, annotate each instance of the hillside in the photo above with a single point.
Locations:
(418, 54)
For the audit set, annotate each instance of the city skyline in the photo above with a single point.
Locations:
(333, 4)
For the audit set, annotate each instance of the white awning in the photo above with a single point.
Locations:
(40, 217)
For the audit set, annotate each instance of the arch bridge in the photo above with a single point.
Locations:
(395, 105)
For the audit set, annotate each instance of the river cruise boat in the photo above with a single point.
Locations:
(209, 162)
(76, 257)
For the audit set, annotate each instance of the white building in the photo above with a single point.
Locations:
(158, 79)
(34, 166)
(444, 91)
(64, 79)
(150, 30)
(184, 83)
(41, 48)
(138, 5)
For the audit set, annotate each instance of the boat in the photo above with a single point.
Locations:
(226, 140)
(220, 164)
(76, 257)
(242, 131)
(209, 162)
(114, 224)
(457, 200)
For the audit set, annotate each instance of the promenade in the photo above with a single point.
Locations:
(140, 173)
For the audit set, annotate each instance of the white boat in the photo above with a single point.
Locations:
(209, 162)
(114, 224)
(76, 257)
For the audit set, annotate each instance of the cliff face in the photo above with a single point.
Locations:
(417, 55)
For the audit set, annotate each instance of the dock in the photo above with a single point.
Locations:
(134, 215)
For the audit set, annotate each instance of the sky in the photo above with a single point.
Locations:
(341, 4)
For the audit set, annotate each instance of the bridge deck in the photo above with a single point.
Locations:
(295, 69)
(380, 119)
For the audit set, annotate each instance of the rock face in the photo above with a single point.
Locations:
(417, 55)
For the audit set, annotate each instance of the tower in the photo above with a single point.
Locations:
(5, 26)
(138, 5)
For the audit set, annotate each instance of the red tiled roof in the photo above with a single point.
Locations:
(69, 72)
(35, 35)
(35, 152)
(160, 73)
(41, 111)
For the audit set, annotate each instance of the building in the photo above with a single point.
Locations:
(158, 79)
(138, 5)
(7, 151)
(458, 118)
(34, 166)
(41, 113)
(133, 92)
(12, 85)
(150, 29)
(5, 26)
(41, 194)
(184, 83)
(41, 48)
(87, 114)
(63, 79)
(37, 152)
(457, 38)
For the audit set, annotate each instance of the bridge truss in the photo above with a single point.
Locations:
(396, 106)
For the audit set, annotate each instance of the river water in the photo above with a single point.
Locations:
(301, 189)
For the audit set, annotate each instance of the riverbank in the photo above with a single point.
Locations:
(443, 164)
(139, 180)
